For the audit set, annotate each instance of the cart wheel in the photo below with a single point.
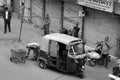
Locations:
(92, 62)
(11, 59)
(42, 64)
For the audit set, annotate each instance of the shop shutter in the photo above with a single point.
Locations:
(16, 5)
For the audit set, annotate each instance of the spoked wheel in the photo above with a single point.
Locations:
(42, 64)
(92, 62)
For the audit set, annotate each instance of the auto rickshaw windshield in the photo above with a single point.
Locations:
(76, 49)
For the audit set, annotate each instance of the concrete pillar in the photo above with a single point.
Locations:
(62, 14)
(44, 8)
(30, 11)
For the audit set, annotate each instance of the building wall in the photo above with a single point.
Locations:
(53, 8)
(27, 9)
(71, 16)
(37, 6)
(16, 5)
(7, 2)
(98, 25)
(2, 2)
(117, 7)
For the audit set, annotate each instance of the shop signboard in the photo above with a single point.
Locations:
(104, 5)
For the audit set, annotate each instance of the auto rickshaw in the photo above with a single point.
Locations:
(63, 52)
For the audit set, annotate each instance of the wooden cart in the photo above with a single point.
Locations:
(18, 55)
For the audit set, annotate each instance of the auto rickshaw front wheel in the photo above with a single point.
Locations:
(81, 74)
(42, 64)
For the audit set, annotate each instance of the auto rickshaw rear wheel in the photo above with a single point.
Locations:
(81, 75)
(42, 64)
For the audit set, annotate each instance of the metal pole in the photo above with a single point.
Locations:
(83, 27)
(62, 14)
(44, 8)
(20, 30)
(82, 33)
(21, 25)
(30, 11)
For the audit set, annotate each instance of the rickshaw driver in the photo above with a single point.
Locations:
(35, 47)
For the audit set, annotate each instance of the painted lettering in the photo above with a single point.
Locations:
(106, 3)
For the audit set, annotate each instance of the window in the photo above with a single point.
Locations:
(53, 49)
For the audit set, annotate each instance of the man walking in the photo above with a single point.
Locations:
(7, 19)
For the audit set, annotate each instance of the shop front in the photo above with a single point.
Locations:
(101, 21)
(73, 14)
(63, 14)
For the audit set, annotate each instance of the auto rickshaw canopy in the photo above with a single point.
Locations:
(58, 37)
